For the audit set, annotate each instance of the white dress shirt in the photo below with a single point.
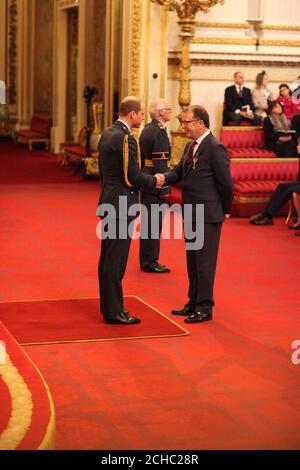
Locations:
(199, 140)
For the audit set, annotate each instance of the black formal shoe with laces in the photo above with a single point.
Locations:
(199, 317)
(255, 218)
(185, 311)
(122, 318)
(156, 268)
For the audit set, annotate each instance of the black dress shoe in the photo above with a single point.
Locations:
(199, 317)
(185, 311)
(156, 268)
(122, 319)
(264, 221)
(255, 218)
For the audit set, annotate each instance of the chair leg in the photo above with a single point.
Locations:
(290, 214)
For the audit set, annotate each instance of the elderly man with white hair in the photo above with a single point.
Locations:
(156, 154)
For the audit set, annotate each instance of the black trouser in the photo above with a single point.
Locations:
(111, 270)
(283, 149)
(201, 265)
(281, 196)
(150, 247)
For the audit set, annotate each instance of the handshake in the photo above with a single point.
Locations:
(160, 180)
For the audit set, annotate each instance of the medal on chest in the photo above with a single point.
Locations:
(195, 159)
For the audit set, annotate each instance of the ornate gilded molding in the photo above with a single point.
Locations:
(62, 4)
(237, 62)
(135, 48)
(238, 41)
(12, 52)
(204, 24)
(247, 42)
(271, 42)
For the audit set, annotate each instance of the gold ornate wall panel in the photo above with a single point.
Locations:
(135, 47)
(43, 54)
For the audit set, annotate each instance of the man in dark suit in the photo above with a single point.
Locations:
(121, 179)
(238, 103)
(156, 153)
(206, 180)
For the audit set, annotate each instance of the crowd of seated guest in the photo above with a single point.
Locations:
(243, 105)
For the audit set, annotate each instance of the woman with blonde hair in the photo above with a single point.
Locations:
(261, 95)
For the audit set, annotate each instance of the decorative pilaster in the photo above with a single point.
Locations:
(135, 48)
(25, 62)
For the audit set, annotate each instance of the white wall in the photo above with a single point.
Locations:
(218, 60)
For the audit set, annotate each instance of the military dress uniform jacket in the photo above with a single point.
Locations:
(156, 152)
(119, 167)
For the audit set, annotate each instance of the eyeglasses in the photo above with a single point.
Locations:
(169, 110)
(186, 123)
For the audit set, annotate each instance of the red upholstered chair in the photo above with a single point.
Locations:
(255, 181)
(39, 131)
(245, 142)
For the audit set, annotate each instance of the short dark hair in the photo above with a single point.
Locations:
(285, 85)
(272, 106)
(128, 104)
(199, 112)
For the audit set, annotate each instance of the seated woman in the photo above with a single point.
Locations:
(286, 101)
(261, 95)
(275, 126)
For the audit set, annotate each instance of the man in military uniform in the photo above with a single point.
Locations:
(121, 179)
(156, 154)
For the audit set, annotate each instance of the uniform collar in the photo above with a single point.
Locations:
(124, 123)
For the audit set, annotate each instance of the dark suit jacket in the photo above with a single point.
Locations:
(111, 164)
(233, 101)
(210, 183)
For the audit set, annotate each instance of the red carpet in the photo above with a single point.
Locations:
(61, 321)
(229, 384)
(27, 417)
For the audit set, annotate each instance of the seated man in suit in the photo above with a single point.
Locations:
(280, 197)
(238, 103)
